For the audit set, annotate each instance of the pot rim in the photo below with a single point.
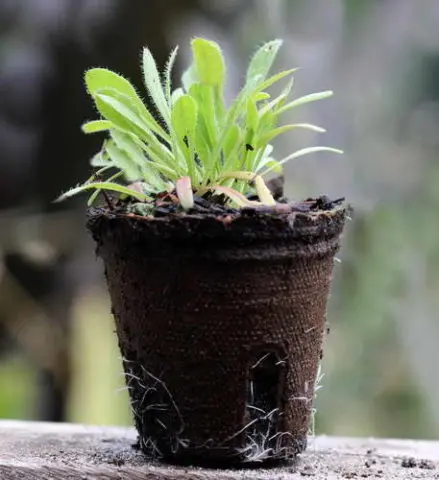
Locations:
(246, 224)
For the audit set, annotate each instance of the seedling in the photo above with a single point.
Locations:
(189, 141)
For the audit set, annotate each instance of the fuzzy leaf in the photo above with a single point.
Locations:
(252, 116)
(264, 139)
(115, 187)
(240, 102)
(122, 161)
(263, 59)
(209, 62)
(118, 111)
(184, 121)
(100, 159)
(301, 153)
(232, 138)
(97, 79)
(272, 165)
(260, 96)
(189, 77)
(176, 94)
(103, 81)
(96, 193)
(153, 84)
(168, 75)
(204, 96)
(95, 126)
(312, 97)
(276, 102)
(138, 160)
(184, 116)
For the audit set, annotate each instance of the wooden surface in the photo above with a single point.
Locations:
(44, 451)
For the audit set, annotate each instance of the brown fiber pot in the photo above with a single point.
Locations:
(220, 322)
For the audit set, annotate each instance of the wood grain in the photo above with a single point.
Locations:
(43, 451)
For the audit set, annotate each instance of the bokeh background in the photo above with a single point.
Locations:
(58, 353)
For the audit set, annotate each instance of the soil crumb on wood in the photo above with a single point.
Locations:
(36, 450)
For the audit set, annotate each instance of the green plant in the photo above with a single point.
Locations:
(190, 141)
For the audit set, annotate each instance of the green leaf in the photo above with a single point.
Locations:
(115, 187)
(95, 126)
(126, 143)
(123, 161)
(270, 106)
(301, 153)
(209, 62)
(263, 59)
(184, 116)
(267, 137)
(240, 102)
(95, 194)
(103, 81)
(202, 149)
(204, 96)
(189, 78)
(118, 111)
(232, 139)
(272, 165)
(168, 75)
(184, 121)
(97, 79)
(100, 159)
(121, 115)
(138, 161)
(176, 94)
(252, 116)
(262, 96)
(236, 110)
(275, 78)
(312, 97)
(153, 84)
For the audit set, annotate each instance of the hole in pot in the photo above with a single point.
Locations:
(263, 440)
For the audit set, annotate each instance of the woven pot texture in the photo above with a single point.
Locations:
(220, 324)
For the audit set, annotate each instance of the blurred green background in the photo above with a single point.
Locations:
(58, 352)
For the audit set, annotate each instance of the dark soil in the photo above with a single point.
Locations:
(167, 204)
(220, 315)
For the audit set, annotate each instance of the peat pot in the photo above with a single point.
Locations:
(220, 321)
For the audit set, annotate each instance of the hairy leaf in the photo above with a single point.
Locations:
(267, 137)
(95, 126)
(123, 161)
(114, 187)
(184, 121)
(301, 153)
(312, 97)
(97, 79)
(263, 59)
(153, 84)
(168, 75)
(189, 78)
(209, 62)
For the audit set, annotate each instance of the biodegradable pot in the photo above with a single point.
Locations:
(220, 322)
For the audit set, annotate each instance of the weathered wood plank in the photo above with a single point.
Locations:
(44, 451)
